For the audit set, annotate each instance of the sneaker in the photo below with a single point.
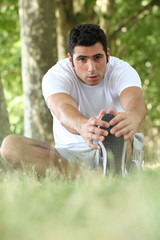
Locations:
(113, 150)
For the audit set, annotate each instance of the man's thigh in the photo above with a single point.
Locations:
(84, 158)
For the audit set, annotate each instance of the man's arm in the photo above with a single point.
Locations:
(66, 110)
(129, 121)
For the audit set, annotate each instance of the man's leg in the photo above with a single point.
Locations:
(21, 152)
(137, 156)
(129, 150)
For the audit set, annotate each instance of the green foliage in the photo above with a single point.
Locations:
(89, 208)
(10, 68)
(134, 37)
(137, 43)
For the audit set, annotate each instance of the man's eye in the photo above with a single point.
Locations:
(98, 57)
(82, 59)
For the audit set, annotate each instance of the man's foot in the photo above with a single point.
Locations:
(113, 150)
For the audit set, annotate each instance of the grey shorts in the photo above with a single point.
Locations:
(90, 158)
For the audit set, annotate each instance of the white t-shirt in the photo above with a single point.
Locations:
(61, 78)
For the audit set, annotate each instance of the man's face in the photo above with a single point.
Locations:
(89, 63)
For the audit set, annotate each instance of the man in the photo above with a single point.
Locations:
(78, 91)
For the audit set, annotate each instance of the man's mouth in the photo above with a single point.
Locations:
(93, 77)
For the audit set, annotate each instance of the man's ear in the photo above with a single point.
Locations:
(108, 54)
(70, 59)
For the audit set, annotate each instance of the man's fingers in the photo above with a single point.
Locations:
(94, 146)
(129, 135)
(100, 132)
(125, 131)
(97, 122)
(110, 110)
(93, 136)
(121, 131)
(102, 112)
(97, 133)
(95, 129)
(119, 126)
(117, 119)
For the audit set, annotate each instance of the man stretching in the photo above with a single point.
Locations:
(79, 90)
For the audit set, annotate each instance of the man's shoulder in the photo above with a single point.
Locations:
(120, 74)
(60, 73)
(118, 66)
(62, 64)
(62, 69)
(117, 62)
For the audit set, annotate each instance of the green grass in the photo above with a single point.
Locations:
(93, 208)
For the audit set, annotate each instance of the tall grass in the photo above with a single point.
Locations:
(93, 208)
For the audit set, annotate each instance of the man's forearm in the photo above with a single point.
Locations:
(132, 101)
(136, 105)
(127, 123)
(66, 110)
(71, 118)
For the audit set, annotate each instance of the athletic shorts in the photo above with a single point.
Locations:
(91, 157)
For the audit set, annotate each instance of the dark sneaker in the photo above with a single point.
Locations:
(113, 150)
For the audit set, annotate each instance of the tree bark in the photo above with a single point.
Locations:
(69, 14)
(39, 53)
(106, 14)
(4, 120)
(66, 20)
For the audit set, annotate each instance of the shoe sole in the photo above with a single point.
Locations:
(113, 150)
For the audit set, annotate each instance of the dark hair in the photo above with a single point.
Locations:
(86, 35)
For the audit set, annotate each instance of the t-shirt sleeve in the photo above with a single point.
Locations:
(56, 80)
(124, 76)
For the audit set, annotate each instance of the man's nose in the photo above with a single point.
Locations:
(91, 66)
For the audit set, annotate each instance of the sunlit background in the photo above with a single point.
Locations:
(133, 33)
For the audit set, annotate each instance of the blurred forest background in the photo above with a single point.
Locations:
(33, 36)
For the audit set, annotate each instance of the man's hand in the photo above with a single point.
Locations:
(126, 123)
(90, 129)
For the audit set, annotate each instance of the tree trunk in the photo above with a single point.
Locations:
(69, 14)
(39, 53)
(106, 14)
(66, 20)
(4, 121)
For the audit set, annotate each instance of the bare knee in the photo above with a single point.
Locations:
(6, 143)
(9, 147)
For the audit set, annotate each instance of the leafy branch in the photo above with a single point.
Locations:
(131, 21)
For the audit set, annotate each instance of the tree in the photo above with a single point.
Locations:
(39, 53)
(66, 20)
(69, 14)
(10, 67)
(4, 120)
